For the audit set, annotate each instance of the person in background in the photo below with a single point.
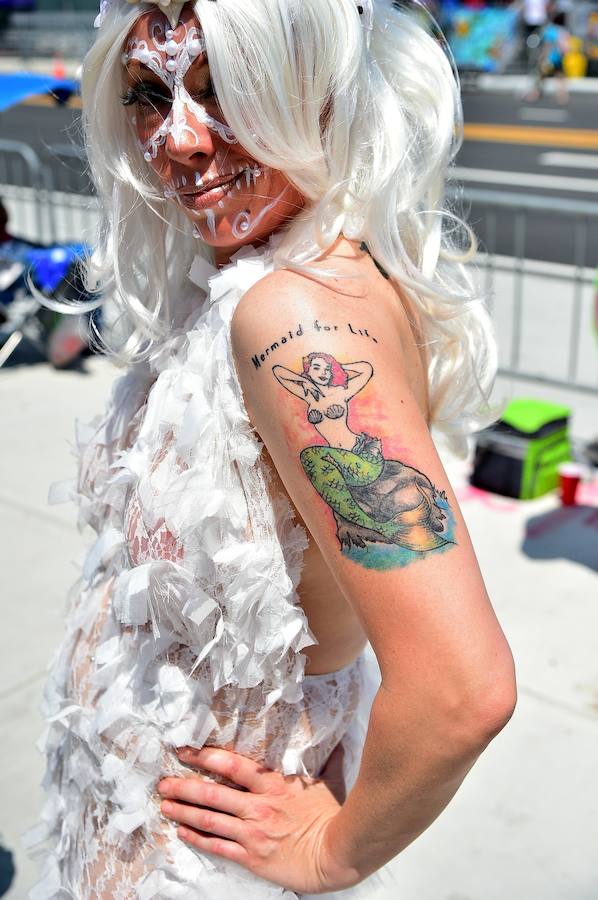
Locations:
(534, 15)
(554, 44)
(4, 235)
(13, 253)
(65, 336)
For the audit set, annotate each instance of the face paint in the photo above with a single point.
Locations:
(180, 55)
(230, 198)
(245, 224)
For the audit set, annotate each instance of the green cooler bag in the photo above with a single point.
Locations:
(518, 456)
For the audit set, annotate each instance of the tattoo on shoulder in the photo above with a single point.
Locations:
(387, 513)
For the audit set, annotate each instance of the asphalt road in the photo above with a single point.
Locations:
(511, 147)
(540, 149)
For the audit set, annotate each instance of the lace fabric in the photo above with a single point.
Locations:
(184, 626)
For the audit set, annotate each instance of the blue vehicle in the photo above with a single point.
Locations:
(55, 271)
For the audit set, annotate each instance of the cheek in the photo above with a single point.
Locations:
(147, 125)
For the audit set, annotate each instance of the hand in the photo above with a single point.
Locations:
(274, 825)
(312, 389)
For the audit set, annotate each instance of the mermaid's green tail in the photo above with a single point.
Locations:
(332, 471)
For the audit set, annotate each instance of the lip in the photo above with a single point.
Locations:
(202, 199)
(210, 186)
(209, 195)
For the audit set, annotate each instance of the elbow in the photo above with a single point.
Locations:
(496, 714)
(494, 706)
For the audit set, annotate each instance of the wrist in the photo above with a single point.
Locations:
(337, 873)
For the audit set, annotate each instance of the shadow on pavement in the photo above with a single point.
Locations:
(570, 532)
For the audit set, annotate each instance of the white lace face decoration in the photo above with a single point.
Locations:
(227, 194)
(170, 60)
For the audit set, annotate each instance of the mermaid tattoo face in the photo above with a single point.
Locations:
(230, 198)
(387, 513)
(319, 370)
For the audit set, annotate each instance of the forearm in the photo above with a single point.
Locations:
(412, 765)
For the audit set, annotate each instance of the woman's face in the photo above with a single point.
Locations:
(320, 371)
(230, 198)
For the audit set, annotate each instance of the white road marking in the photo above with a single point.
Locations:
(527, 179)
(569, 160)
(536, 114)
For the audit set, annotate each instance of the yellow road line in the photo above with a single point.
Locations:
(575, 138)
(579, 138)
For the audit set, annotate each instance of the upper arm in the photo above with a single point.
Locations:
(365, 476)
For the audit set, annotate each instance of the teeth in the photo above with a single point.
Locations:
(184, 180)
(221, 203)
(198, 179)
(238, 183)
(247, 177)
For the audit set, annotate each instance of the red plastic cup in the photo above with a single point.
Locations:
(570, 474)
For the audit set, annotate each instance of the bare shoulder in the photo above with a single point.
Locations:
(279, 292)
(357, 305)
(353, 301)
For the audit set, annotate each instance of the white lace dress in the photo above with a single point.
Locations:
(184, 626)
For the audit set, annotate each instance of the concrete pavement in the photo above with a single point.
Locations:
(523, 825)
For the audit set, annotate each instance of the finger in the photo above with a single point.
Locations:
(205, 820)
(205, 793)
(220, 847)
(239, 769)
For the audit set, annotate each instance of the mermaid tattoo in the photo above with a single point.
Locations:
(373, 499)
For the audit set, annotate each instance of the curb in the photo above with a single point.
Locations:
(516, 83)
(70, 67)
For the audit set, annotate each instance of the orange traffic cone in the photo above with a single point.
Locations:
(58, 69)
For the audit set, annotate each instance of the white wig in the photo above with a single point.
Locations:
(366, 134)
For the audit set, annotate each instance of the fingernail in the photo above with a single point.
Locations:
(162, 787)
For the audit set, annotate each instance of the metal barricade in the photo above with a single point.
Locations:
(74, 204)
(49, 200)
(542, 310)
(24, 188)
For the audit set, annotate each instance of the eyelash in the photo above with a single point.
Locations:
(143, 94)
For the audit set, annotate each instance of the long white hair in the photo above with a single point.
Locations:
(365, 123)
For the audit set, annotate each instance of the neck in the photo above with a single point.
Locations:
(222, 255)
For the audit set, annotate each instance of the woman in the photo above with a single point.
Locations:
(193, 749)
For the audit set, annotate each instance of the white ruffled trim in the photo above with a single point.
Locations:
(231, 597)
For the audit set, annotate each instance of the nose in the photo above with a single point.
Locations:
(188, 137)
